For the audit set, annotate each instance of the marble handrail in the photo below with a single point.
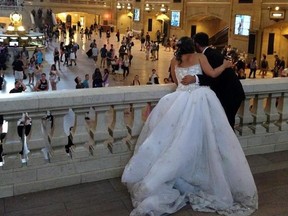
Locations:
(105, 126)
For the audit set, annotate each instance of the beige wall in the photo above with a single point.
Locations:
(5, 20)
(280, 42)
(193, 12)
(123, 22)
(88, 18)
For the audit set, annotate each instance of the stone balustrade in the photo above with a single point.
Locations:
(89, 134)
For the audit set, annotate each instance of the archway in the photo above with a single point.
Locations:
(85, 19)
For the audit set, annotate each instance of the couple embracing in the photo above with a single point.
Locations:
(187, 152)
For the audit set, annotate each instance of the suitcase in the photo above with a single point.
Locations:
(89, 53)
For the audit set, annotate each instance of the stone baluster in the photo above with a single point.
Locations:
(272, 113)
(12, 144)
(245, 116)
(136, 125)
(81, 134)
(283, 111)
(47, 128)
(118, 130)
(35, 140)
(58, 136)
(99, 134)
(259, 116)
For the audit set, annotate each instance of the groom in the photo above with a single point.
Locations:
(227, 86)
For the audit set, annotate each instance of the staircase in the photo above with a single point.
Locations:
(220, 39)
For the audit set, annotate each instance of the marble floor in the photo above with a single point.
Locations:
(110, 197)
(140, 65)
(85, 65)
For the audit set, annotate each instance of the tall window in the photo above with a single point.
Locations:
(271, 44)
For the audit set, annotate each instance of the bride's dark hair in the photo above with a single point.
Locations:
(184, 45)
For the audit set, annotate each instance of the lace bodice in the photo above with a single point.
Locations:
(182, 72)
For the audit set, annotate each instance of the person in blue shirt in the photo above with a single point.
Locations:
(85, 83)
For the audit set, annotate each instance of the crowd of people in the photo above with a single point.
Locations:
(241, 63)
(107, 59)
(198, 176)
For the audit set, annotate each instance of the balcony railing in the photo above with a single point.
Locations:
(105, 125)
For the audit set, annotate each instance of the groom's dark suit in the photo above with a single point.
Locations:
(227, 86)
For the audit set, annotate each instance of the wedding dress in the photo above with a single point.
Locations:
(188, 153)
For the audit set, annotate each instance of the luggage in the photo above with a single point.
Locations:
(89, 53)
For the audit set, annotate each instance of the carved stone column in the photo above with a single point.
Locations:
(35, 140)
(58, 137)
(259, 116)
(272, 112)
(136, 125)
(118, 130)
(283, 111)
(81, 134)
(12, 144)
(245, 116)
(99, 134)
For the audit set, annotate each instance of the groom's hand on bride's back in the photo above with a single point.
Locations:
(188, 79)
(227, 63)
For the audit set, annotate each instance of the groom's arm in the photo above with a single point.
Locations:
(202, 80)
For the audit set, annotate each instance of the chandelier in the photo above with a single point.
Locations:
(16, 17)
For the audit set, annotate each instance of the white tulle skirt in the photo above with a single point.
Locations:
(188, 153)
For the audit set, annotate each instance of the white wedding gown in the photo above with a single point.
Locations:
(188, 153)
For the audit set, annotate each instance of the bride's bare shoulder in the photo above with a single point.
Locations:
(195, 57)
(199, 55)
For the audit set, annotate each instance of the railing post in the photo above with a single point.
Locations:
(36, 140)
(258, 114)
(99, 134)
(136, 125)
(12, 144)
(272, 112)
(58, 137)
(118, 130)
(245, 116)
(283, 111)
(81, 134)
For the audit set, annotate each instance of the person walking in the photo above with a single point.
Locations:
(103, 54)
(95, 53)
(264, 66)
(118, 35)
(18, 68)
(106, 78)
(253, 67)
(54, 77)
(56, 55)
(125, 66)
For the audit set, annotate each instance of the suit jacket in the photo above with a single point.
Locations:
(227, 86)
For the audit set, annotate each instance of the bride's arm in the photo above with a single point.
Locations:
(172, 65)
(206, 67)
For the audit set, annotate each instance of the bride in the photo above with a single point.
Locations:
(187, 152)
